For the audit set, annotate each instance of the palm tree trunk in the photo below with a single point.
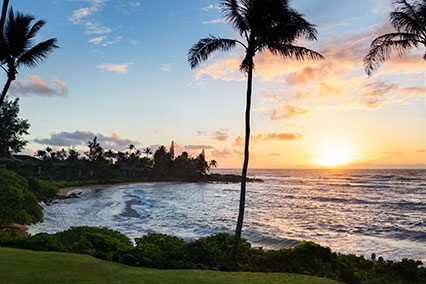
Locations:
(3, 17)
(5, 89)
(237, 237)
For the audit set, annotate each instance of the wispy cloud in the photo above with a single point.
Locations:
(216, 21)
(85, 17)
(287, 111)
(97, 40)
(239, 141)
(210, 7)
(219, 135)
(118, 68)
(36, 86)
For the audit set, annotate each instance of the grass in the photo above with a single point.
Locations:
(24, 266)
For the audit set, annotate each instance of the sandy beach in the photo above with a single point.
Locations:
(63, 192)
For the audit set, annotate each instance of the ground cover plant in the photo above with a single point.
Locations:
(212, 253)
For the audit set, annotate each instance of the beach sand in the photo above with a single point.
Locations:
(63, 192)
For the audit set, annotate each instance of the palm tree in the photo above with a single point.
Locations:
(3, 17)
(147, 151)
(16, 49)
(213, 164)
(409, 21)
(262, 25)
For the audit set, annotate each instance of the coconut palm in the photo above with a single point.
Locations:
(147, 151)
(409, 21)
(17, 48)
(263, 25)
(3, 17)
(212, 165)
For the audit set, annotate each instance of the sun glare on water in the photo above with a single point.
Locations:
(334, 156)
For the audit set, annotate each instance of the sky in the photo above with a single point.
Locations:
(121, 73)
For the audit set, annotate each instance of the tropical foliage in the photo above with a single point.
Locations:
(409, 21)
(212, 252)
(17, 203)
(17, 49)
(12, 128)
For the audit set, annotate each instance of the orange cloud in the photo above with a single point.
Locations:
(287, 111)
(239, 141)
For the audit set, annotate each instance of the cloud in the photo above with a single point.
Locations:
(226, 69)
(210, 7)
(165, 68)
(219, 135)
(80, 14)
(283, 136)
(421, 151)
(36, 86)
(239, 141)
(80, 138)
(84, 17)
(160, 131)
(224, 153)
(267, 96)
(134, 42)
(216, 21)
(97, 40)
(287, 111)
(119, 68)
(197, 147)
(96, 28)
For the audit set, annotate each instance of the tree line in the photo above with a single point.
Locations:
(132, 163)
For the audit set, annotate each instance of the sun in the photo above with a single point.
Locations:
(334, 155)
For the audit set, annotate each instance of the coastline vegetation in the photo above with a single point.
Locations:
(23, 266)
(161, 251)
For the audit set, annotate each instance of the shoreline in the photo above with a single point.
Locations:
(63, 192)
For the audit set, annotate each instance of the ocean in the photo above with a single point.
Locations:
(351, 211)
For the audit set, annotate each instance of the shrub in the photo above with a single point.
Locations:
(17, 203)
(102, 240)
(170, 247)
(41, 189)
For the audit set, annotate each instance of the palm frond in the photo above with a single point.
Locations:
(409, 17)
(37, 54)
(383, 47)
(35, 28)
(15, 33)
(290, 51)
(234, 14)
(202, 50)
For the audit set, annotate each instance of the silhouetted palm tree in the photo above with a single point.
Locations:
(16, 49)
(409, 21)
(3, 17)
(263, 25)
(213, 164)
(147, 151)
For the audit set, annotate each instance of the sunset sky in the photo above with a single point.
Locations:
(121, 73)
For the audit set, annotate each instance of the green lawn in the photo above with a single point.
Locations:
(24, 266)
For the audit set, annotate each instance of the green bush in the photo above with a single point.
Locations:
(41, 189)
(171, 247)
(103, 240)
(17, 203)
(162, 251)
